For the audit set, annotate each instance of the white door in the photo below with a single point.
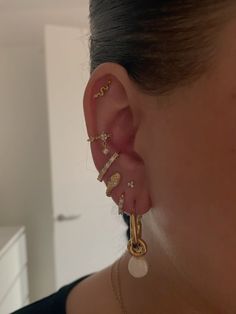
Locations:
(89, 233)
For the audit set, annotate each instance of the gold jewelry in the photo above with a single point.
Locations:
(135, 234)
(121, 203)
(112, 183)
(131, 184)
(117, 291)
(104, 137)
(103, 89)
(137, 247)
(107, 166)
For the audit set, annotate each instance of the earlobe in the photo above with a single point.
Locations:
(111, 131)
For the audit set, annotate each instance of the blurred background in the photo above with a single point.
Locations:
(56, 224)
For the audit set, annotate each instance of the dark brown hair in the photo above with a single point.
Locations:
(162, 44)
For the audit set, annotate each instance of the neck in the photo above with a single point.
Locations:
(163, 289)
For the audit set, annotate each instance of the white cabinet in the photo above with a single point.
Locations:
(13, 269)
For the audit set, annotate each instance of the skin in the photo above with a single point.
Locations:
(180, 150)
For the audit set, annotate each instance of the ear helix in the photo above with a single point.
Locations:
(137, 247)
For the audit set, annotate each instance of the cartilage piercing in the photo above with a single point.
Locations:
(113, 182)
(137, 247)
(107, 166)
(121, 203)
(103, 89)
(104, 137)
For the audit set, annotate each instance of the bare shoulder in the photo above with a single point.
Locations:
(93, 295)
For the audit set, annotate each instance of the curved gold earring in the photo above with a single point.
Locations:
(113, 182)
(103, 89)
(104, 137)
(131, 184)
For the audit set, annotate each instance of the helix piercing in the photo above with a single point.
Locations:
(137, 247)
(103, 89)
(104, 137)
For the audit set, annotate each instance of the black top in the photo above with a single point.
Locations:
(53, 304)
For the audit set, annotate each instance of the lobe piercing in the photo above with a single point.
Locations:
(104, 137)
(103, 89)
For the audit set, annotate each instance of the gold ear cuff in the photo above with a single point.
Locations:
(104, 137)
(103, 89)
(107, 166)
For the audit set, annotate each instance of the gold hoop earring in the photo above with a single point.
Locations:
(137, 265)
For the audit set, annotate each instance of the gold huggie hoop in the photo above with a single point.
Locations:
(136, 245)
(107, 166)
(137, 265)
(102, 90)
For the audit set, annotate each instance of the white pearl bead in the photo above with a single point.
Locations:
(138, 266)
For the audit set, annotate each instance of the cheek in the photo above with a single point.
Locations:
(191, 162)
(192, 173)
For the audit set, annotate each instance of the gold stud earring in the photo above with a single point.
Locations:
(113, 182)
(103, 89)
(131, 184)
(107, 166)
(104, 137)
(121, 204)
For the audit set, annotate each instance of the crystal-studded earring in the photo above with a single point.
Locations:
(131, 184)
(103, 137)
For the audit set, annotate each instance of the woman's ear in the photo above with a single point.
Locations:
(111, 109)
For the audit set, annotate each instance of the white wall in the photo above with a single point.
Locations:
(25, 24)
(25, 195)
(25, 183)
